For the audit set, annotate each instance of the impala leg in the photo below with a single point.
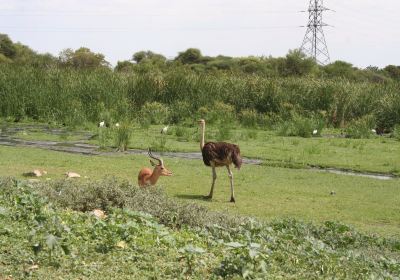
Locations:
(214, 177)
(230, 174)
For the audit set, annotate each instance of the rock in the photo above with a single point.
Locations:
(122, 244)
(72, 175)
(99, 213)
(35, 173)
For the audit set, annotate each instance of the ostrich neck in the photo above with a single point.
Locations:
(202, 136)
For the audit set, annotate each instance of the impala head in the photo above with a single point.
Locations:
(159, 167)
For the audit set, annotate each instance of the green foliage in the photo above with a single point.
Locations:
(79, 86)
(297, 64)
(104, 137)
(122, 136)
(393, 71)
(387, 113)
(361, 128)
(249, 118)
(154, 113)
(300, 126)
(396, 132)
(189, 56)
(339, 69)
(111, 192)
(7, 47)
(206, 246)
(82, 58)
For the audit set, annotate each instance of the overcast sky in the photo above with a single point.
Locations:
(365, 32)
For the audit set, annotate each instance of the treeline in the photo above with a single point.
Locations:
(294, 64)
(80, 86)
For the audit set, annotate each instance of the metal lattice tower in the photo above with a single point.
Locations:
(314, 44)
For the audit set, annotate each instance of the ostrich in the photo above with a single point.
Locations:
(216, 154)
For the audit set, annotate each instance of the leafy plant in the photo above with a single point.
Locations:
(154, 113)
(122, 137)
(361, 128)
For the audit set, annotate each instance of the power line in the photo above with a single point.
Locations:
(111, 29)
(314, 43)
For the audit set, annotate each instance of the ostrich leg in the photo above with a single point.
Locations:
(231, 180)
(214, 174)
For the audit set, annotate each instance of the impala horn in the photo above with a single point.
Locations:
(160, 161)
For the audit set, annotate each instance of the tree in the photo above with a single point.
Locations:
(82, 58)
(393, 71)
(148, 56)
(340, 69)
(123, 66)
(297, 64)
(189, 56)
(7, 47)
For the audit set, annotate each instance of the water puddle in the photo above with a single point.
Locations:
(377, 176)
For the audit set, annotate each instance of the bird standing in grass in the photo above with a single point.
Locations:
(216, 154)
(164, 130)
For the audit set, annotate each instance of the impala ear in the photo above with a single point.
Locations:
(152, 163)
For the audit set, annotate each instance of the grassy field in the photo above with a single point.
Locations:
(265, 192)
(378, 154)
(314, 224)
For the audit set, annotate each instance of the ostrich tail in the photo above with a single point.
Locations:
(236, 158)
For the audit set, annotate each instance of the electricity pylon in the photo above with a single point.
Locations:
(314, 44)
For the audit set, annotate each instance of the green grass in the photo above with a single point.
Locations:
(378, 154)
(261, 191)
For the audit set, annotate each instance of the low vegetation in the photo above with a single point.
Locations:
(42, 238)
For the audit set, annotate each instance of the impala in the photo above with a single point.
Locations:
(148, 177)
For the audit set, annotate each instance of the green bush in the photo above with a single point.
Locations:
(122, 137)
(154, 113)
(396, 132)
(249, 118)
(180, 111)
(302, 127)
(111, 192)
(361, 128)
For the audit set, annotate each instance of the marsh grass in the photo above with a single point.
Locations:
(122, 137)
(71, 97)
(362, 128)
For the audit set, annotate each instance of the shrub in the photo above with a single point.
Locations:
(396, 132)
(301, 126)
(361, 128)
(111, 192)
(154, 113)
(249, 117)
(122, 137)
(218, 113)
(179, 111)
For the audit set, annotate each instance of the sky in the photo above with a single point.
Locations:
(363, 32)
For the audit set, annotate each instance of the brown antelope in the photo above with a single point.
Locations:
(148, 177)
